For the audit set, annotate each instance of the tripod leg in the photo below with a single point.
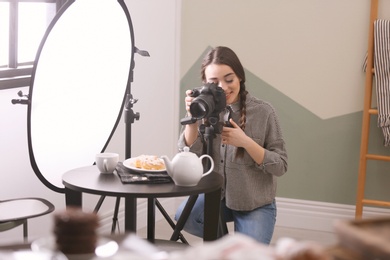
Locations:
(170, 222)
(184, 216)
(222, 227)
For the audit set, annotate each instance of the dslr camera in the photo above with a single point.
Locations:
(209, 102)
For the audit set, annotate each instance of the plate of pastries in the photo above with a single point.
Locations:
(145, 163)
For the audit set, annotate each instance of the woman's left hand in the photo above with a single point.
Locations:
(233, 135)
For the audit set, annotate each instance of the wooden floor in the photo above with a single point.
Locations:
(164, 231)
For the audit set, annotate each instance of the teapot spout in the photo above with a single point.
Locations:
(168, 165)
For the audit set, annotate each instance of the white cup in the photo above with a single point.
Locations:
(106, 162)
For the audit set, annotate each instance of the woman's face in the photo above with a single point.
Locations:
(224, 76)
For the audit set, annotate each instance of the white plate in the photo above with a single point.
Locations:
(129, 163)
(105, 248)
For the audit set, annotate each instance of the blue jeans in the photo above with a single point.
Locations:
(258, 223)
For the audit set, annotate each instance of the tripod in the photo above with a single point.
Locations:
(208, 132)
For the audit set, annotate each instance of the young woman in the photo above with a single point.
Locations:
(249, 155)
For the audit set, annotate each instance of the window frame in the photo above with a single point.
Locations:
(18, 75)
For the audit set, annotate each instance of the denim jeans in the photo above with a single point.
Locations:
(258, 223)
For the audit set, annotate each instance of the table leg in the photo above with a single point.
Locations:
(130, 214)
(73, 198)
(151, 219)
(212, 205)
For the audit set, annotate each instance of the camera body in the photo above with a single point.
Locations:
(209, 102)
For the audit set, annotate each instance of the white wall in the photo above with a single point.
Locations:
(156, 81)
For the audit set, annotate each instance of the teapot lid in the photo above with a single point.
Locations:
(186, 152)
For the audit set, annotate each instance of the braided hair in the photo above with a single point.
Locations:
(226, 56)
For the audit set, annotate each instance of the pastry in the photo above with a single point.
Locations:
(149, 162)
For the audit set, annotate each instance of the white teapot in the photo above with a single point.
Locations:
(186, 168)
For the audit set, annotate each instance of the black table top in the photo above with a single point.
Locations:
(89, 180)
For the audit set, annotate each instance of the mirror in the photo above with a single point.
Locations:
(78, 88)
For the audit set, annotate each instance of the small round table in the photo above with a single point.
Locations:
(89, 180)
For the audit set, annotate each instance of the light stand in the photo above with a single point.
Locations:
(129, 117)
(131, 204)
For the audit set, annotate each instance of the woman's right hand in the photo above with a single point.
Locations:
(188, 100)
(191, 130)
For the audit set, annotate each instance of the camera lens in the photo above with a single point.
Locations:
(198, 110)
(202, 106)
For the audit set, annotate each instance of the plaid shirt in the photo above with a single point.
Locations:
(249, 185)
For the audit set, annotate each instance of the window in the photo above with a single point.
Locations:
(22, 26)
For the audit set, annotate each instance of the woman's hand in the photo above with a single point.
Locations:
(188, 100)
(234, 135)
(191, 130)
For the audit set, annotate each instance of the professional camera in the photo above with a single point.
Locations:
(209, 101)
